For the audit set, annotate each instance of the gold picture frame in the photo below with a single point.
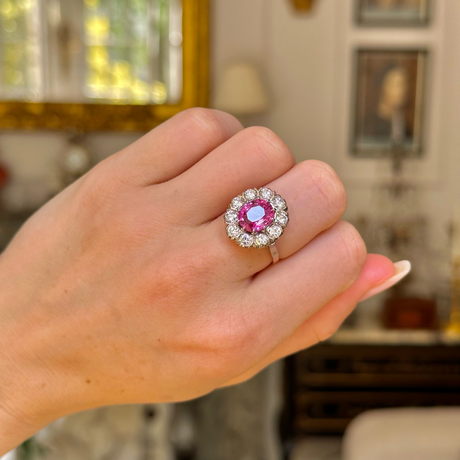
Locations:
(114, 117)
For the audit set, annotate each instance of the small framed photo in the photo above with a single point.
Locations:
(398, 13)
(389, 102)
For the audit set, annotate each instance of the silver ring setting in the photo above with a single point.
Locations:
(257, 218)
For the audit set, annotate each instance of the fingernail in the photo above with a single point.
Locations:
(402, 269)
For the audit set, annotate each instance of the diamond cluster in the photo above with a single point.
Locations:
(256, 218)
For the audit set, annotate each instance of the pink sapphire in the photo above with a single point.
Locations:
(256, 215)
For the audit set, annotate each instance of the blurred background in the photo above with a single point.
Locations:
(370, 87)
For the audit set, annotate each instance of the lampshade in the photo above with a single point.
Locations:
(240, 91)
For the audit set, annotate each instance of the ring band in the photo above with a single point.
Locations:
(274, 252)
(257, 218)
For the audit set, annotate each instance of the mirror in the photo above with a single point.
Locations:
(90, 65)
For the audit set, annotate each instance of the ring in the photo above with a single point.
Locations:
(257, 218)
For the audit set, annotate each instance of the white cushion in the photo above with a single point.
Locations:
(404, 434)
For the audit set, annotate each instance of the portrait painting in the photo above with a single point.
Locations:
(393, 12)
(389, 101)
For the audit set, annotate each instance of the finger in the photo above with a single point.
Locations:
(174, 146)
(325, 322)
(316, 199)
(277, 300)
(308, 279)
(251, 158)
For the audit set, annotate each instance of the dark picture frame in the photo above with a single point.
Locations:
(389, 102)
(393, 13)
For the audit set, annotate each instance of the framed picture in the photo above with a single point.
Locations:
(389, 102)
(393, 12)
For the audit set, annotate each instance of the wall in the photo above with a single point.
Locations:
(307, 61)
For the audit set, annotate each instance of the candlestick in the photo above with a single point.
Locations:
(453, 328)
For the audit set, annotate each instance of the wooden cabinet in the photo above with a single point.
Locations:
(328, 385)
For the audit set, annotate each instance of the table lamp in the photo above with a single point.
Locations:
(240, 90)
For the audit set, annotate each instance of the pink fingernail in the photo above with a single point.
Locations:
(402, 269)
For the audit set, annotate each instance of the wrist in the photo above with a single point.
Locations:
(30, 391)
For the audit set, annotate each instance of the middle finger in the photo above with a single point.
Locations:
(251, 158)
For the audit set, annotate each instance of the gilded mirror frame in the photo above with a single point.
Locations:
(109, 117)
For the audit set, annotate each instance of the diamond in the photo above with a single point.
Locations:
(231, 217)
(245, 240)
(250, 194)
(265, 193)
(237, 202)
(282, 218)
(274, 231)
(261, 240)
(233, 231)
(278, 203)
(256, 215)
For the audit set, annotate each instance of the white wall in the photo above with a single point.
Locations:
(306, 62)
(296, 56)
(300, 63)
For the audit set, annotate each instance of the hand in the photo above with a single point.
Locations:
(125, 288)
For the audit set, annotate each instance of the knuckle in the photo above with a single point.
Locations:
(219, 333)
(268, 144)
(228, 335)
(229, 340)
(97, 188)
(180, 275)
(324, 332)
(352, 248)
(239, 334)
(207, 120)
(184, 280)
(329, 186)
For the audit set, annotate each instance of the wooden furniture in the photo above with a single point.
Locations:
(330, 384)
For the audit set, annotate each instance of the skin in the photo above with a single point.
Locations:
(125, 288)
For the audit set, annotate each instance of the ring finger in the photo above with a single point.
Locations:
(316, 199)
